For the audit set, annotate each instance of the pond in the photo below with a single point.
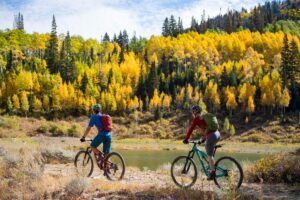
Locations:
(154, 159)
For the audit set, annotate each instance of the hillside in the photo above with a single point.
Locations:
(143, 125)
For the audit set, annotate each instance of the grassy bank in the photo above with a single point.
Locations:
(139, 125)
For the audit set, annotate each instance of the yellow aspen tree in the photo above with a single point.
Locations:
(190, 91)
(56, 101)
(24, 102)
(231, 103)
(24, 81)
(166, 102)
(155, 101)
(180, 96)
(37, 104)
(285, 99)
(16, 103)
(212, 95)
(46, 103)
(251, 105)
(245, 92)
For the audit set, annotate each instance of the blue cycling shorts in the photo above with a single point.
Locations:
(104, 138)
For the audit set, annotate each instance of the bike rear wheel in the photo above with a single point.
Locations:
(84, 163)
(184, 172)
(229, 173)
(115, 167)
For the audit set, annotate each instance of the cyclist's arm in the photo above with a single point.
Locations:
(90, 126)
(86, 132)
(189, 132)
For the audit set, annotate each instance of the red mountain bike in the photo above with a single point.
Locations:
(112, 164)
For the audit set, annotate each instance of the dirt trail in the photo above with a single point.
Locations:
(140, 180)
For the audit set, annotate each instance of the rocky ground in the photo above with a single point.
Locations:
(137, 184)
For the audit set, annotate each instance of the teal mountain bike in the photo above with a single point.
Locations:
(229, 173)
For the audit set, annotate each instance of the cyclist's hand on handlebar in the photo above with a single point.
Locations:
(185, 141)
(82, 139)
(202, 140)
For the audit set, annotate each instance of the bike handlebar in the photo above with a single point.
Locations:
(195, 141)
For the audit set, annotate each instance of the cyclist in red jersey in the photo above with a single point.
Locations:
(211, 137)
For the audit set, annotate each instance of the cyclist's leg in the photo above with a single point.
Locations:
(96, 142)
(107, 143)
(210, 147)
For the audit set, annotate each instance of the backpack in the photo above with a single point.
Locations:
(211, 121)
(107, 122)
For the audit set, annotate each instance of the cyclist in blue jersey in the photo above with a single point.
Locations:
(103, 136)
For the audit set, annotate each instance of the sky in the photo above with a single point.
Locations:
(92, 18)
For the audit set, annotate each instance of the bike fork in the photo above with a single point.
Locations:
(187, 164)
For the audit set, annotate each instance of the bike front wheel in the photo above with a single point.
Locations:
(184, 172)
(114, 167)
(84, 163)
(229, 173)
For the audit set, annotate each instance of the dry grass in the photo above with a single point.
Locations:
(277, 168)
(22, 176)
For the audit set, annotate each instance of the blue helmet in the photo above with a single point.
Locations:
(196, 109)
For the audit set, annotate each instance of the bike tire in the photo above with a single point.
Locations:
(194, 167)
(241, 173)
(87, 158)
(108, 173)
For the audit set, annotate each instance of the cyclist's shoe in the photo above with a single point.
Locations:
(211, 176)
(82, 139)
(185, 141)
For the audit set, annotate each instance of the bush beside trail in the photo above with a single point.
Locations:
(277, 168)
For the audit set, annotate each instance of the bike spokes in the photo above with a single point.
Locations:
(114, 166)
(184, 172)
(84, 163)
(229, 174)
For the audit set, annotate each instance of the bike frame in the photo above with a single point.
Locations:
(202, 158)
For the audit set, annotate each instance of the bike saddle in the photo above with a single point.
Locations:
(218, 146)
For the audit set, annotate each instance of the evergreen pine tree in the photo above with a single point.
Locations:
(180, 26)
(84, 82)
(106, 38)
(194, 24)
(9, 64)
(165, 28)
(285, 61)
(233, 76)
(51, 54)
(152, 82)
(224, 78)
(141, 88)
(115, 39)
(294, 63)
(125, 42)
(173, 27)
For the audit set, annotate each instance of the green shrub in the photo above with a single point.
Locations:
(291, 128)
(232, 130)
(75, 130)
(226, 125)
(256, 137)
(279, 168)
(9, 122)
(58, 130)
(44, 128)
(296, 138)
(161, 134)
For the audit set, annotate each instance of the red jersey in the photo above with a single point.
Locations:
(197, 121)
